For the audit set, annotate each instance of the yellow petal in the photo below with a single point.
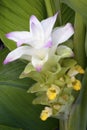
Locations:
(52, 92)
(80, 69)
(77, 85)
(75, 70)
(47, 112)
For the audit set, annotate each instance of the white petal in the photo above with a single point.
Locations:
(41, 44)
(49, 43)
(23, 52)
(38, 62)
(37, 32)
(48, 24)
(20, 37)
(41, 53)
(61, 34)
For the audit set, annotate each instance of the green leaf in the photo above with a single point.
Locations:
(78, 6)
(86, 43)
(4, 127)
(14, 16)
(79, 40)
(67, 14)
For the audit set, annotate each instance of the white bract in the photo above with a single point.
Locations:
(40, 42)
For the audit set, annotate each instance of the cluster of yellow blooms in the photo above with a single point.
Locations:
(54, 90)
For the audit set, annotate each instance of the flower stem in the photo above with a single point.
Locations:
(79, 40)
(86, 44)
(63, 124)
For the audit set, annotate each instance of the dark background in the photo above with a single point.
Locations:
(1, 45)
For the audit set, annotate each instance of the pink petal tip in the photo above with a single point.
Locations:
(48, 44)
(5, 62)
(19, 43)
(7, 35)
(38, 68)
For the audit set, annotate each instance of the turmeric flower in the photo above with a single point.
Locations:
(47, 112)
(52, 92)
(40, 42)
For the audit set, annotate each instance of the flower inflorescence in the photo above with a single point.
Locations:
(50, 64)
(56, 89)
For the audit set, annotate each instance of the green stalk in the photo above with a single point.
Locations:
(48, 7)
(86, 42)
(79, 40)
(63, 124)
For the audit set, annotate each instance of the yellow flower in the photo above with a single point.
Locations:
(47, 112)
(79, 69)
(75, 70)
(52, 92)
(76, 85)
